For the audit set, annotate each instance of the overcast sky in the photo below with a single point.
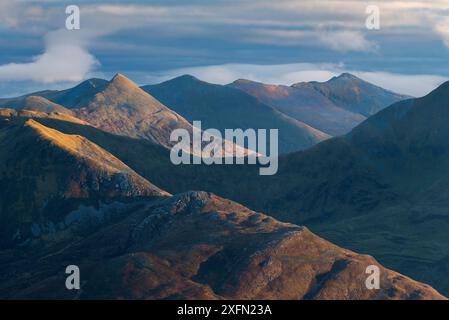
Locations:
(282, 41)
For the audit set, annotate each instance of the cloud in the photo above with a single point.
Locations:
(129, 10)
(337, 40)
(24, 15)
(58, 63)
(442, 29)
(65, 59)
(414, 85)
(166, 34)
(345, 41)
(287, 74)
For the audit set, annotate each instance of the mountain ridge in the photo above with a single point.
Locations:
(208, 282)
(223, 107)
(351, 93)
(45, 172)
(144, 256)
(306, 105)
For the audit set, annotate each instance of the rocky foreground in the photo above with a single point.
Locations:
(194, 246)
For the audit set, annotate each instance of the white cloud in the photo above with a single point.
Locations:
(337, 40)
(442, 28)
(128, 10)
(345, 41)
(65, 59)
(287, 74)
(414, 85)
(22, 15)
(58, 63)
(333, 24)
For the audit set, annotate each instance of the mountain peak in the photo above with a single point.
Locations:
(346, 76)
(119, 80)
(41, 104)
(91, 83)
(242, 81)
(37, 99)
(441, 91)
(184, 79)
(118, 75)
(187, 77)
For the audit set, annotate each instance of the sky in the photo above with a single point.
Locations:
(278, 42)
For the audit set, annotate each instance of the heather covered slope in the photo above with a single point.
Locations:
(223, 107)
(306, 105)
(354, 94)
(44, 172)
(199, 246)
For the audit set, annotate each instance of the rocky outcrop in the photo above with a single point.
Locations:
(199, 246)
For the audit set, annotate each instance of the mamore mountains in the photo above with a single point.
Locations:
(87, 180)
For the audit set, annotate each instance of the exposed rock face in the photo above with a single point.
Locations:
(199, 246)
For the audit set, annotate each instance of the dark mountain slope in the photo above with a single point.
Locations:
(79, 95)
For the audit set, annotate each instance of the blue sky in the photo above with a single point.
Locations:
(283, 41)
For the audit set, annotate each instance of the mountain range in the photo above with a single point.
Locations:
(333, 107)
(304, 115)
(87, 176)
(118, 106)
(134, 241)
(224, 107)
(382, 188)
